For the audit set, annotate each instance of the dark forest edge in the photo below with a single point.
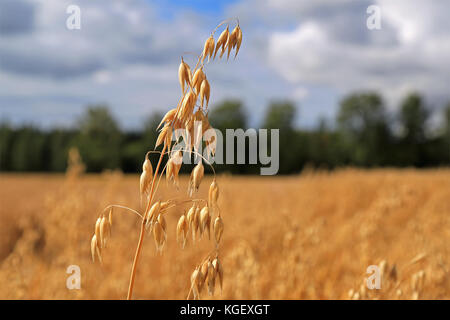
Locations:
(364, 134)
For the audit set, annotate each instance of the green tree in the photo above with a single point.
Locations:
(27, 151)
(280, 115)
(413, 117)
(150, 134)
(58, 142)
(136, 144)
(364, 129)
(6, 140)
(446, 136)
(99, 140)
(228, 114)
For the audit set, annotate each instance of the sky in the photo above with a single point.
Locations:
(127, 53)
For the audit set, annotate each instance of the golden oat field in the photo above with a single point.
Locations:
(309, 236)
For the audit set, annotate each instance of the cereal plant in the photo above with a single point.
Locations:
(187, 123)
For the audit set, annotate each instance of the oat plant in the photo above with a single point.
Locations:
(180, 132)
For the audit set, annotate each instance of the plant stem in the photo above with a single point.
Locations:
(141, 236)
(136, 259)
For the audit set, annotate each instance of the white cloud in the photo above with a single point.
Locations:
(300, 93)
(126, 55)
(409, 52)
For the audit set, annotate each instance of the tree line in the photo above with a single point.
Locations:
(364, 134)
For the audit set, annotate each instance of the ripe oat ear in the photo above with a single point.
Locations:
(182, 231)
(211, 47)
(159, 236)
(238, 40)
(219, 272)
(168, 117)
(211, 278)
(146, 178)
(185, 120)
(196, 279)
(199, 76)
(153, 212)
(110, 219)
(218, 229)
(93, 247)
(221, 42)
(205, 50)
(232, 40)
(204, 92)
(208, 49)
(213, 195)
(204, 215)
(195, 223)
(196, 178)
(103, 231)
(97, 232)
(165, 136)
(184, 74)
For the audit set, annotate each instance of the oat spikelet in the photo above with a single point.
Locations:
(232, 40)
(146, 178)
(219, 271)
(93, 247)
(195, 223)
(198, 78)
(165, 136)
(205, 219)
(204, 273)
(182, 230)
(187, 106)
(238, 40)
(159, 236)
(169, 170)
(110, 217)
(184, 74)
(173, 167)
(168, 117)
(196, 278)
(204, 92)
(221, 42)
(162, 222)
(191, 214)
(97, 232)
(153, 213)
(218, 229)
(208, 48)
(103, 231)
(211, 142)
(196, 177)
(197, 130)
(213, 194)
(211, 279)
(188, 134)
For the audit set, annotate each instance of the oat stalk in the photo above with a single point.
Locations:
(190, 117)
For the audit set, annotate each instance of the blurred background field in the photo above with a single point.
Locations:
(308, 236)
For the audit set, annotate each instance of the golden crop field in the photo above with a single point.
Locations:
(310, 236)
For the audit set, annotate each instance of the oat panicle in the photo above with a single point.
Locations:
(191, 116)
